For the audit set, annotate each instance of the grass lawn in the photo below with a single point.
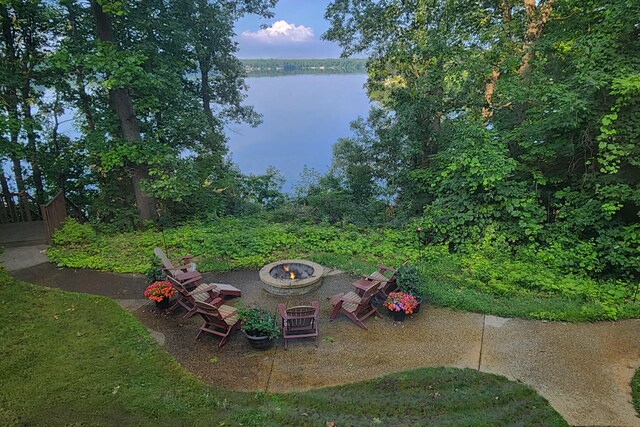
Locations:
(489, 280)
(635, 390)
(77, 359)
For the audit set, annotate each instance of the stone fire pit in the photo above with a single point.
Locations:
(291, 277)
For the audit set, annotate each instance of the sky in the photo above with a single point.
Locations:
(293, 32)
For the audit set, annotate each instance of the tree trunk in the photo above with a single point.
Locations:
(32, 146)
(536, 21)
(17, 172)
(204, 91)
(84, 100)
(434, 127)
(9, 208)
(11, 96)
(59, 172)
(490, 86)
(122, 104)
(487, 110)
(27, 64)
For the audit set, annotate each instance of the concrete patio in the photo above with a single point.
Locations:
(584, 370)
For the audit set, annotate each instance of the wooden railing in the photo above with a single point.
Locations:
(54, 214)
(15, 207)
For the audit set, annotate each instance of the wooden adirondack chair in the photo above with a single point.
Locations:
(208, 293)
(220, 321)
(299, 322)
(356, 307)
(387, 276)
(183, 270)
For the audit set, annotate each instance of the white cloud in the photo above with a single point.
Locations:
(280, 32)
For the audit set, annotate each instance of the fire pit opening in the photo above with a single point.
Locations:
(291, 277)
(293, 271)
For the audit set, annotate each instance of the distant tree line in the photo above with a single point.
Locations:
(269, 67)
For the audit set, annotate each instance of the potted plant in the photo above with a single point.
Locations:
(400, 304)
(409, 282)
(259, 326)
(155, 272)
(161, 292)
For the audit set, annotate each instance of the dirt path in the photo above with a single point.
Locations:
(584, 370)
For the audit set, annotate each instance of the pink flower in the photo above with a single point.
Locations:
(401, 301)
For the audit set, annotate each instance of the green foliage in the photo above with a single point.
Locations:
(339, 196)
(503, 120)
(154, 272)
(103, 368)
(180, 74)
(263, 190)
(233, 243)
(635, 390)
(488, 276)
(259, 322)
(74, 233)
(473, 187)
(408, 280)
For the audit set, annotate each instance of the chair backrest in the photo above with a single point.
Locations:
(369, 293)
(165, 262)
(208, 310)
(178, 286)
(301, 316)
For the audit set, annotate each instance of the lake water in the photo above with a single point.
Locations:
(303, 116)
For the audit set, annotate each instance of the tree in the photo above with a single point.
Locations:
(513, 117)
(27, 29)
(122, 104)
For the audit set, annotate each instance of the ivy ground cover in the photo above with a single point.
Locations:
(488, 277)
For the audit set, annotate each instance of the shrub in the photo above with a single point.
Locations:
(258, 322)
(72, 232)
(408, 280)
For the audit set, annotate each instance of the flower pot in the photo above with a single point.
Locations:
(258, 342)
(420, 301)
(398, 316)
(163, 304)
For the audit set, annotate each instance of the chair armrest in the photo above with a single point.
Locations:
(282, 310)
(191, 282)
(182, 268)
(209, 290)
(180, 258)
(233, 313)
(384, 268)
(316, 305)
(376, 279)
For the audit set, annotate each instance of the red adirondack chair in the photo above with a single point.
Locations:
(387, 276)
(220, 321)
(356, 307)
(299, 322)
(181, 269)
(208, 293)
